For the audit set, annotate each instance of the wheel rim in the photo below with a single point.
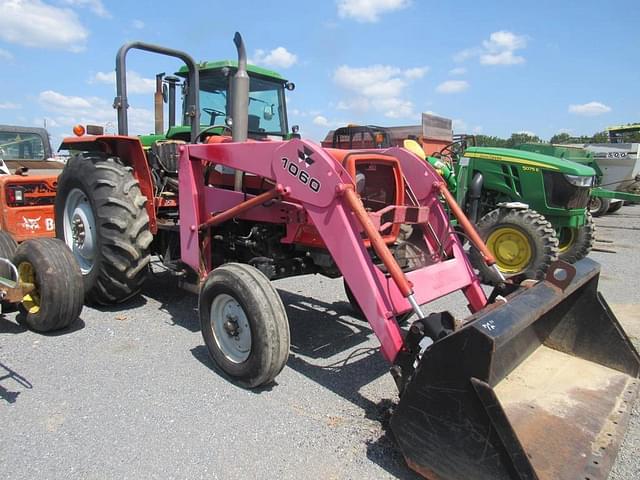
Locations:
(27, 274)
(594, 204)
(230, 327)
(80, 229)
(566, 239)
(511, 248)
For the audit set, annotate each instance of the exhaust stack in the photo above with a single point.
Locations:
(157, 104)
(240, 102)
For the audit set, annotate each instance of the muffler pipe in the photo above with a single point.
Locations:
(239, 103)
(158, 107)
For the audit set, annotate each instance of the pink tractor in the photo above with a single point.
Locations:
(235, 212)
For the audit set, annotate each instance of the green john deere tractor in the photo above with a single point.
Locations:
(529, 208)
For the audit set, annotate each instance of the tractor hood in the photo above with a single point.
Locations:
(533, 159)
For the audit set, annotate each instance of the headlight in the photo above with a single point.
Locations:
(579, 180)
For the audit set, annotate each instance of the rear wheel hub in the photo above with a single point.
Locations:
(80, 229)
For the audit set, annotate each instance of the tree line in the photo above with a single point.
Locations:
(518, 138)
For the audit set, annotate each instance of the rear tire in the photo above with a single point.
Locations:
(614, 207)
(582, 240)
(57, 300)
(522, 241)
(598, 206)
(100, 214)
(244, 324)
(8, 247)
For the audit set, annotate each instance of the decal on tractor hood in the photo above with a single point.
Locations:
(33, 224)
(500, 158)
(300, 174)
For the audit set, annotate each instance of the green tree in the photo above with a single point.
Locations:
(522, 137)
(490, 141)
(600, 137)
(560, 138)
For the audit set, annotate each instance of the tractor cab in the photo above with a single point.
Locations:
(267, 103)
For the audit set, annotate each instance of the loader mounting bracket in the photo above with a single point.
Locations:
(435, 326)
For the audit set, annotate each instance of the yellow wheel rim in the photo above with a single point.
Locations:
(566, 239)
(27, 274)
(511, 248)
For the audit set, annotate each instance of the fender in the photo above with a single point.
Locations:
(130, 151)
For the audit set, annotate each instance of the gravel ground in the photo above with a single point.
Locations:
(131, 393)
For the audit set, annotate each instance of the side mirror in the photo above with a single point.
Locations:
(290, 86)
(267, 113)
(165, 93)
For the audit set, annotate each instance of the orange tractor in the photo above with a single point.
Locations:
(40, 277)
(26, 198)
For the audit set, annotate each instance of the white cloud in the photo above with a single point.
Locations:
(135, 82)
(393, 107)
(279, 57)
(370, 81)
(70, 110)
(590, 109)
(458, 71)
(368, 10)
(32, 23)
(377, 87)
(139, 24)
(9, 106)
(504, 40)
(503, 58)
(499, 49)
(56, 100)
(5, 54)
(95, 6)
(321, 121)
(526, 132)
(357, 104)
(415, 73)
(453, 86)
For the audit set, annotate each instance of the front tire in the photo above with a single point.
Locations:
(576, 243)
(57, 299)
(599, 206)
(101, 216)
(522, 241)
(244, 324)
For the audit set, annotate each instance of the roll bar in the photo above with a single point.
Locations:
(121, 104)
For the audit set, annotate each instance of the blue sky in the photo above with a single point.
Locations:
(494, 67)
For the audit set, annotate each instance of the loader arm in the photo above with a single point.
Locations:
(312, 178)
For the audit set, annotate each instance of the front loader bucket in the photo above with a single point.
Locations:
(539, 387)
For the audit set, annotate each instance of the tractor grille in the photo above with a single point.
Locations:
(512, 178)
(562, 194)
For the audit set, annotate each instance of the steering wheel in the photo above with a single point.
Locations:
(213, 113)
(452, 152)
